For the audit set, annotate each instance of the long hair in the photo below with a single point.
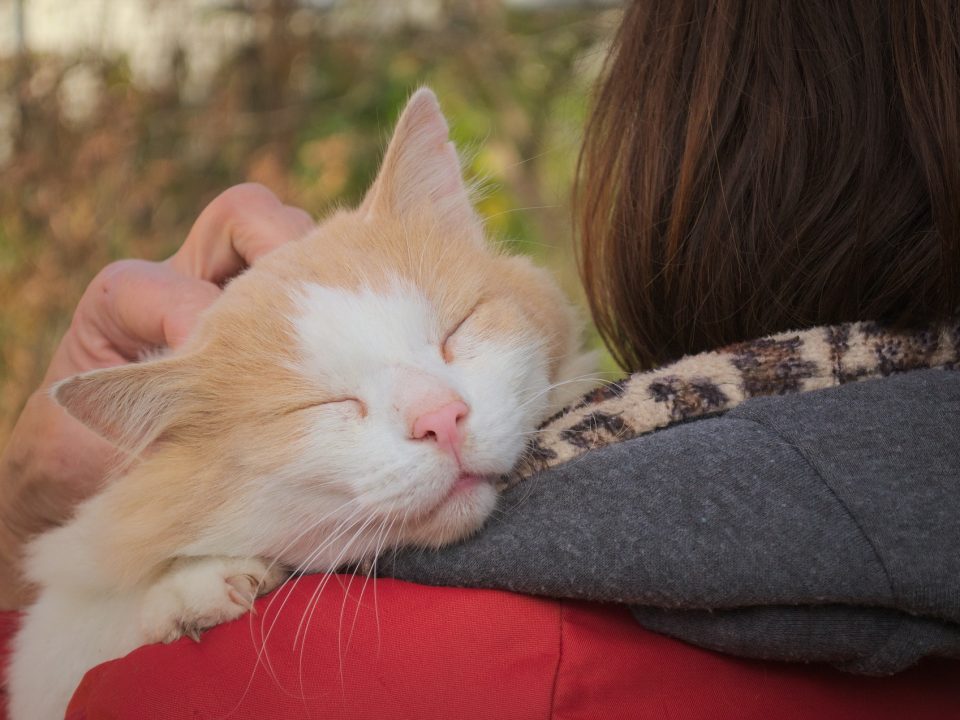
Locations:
(752, 167)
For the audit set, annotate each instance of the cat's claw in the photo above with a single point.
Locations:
(244, 590)
(195, 594)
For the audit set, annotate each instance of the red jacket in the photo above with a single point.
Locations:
(398, 650)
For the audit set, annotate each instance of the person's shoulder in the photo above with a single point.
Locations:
(877, 440)
(921, 405)
(914, 389)
(902, 425)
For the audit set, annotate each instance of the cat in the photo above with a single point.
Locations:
(358, 388)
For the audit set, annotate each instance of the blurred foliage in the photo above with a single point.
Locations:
(303, 107)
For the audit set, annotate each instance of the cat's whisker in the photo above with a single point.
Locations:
(290, 586)
(522, 209)
(337, 561)
(373, 571)
(532, 433)
(527, 493)
(312, 526)
(347, 524)
(593, 377)
(377, 540)
(263, 658)
(584, 378)
(397, 547)
(343, 607)
(314, 600)
(560, 147)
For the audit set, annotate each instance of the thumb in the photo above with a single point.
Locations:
(182, 314)
(134, 305)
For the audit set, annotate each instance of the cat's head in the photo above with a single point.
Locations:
(379, 373)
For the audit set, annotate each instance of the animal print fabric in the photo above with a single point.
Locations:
(714, 382)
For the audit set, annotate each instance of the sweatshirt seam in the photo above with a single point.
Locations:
(556, 672)
(868, 661)
(771, 428)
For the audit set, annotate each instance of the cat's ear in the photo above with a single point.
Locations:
(128, 405)
(421, 168)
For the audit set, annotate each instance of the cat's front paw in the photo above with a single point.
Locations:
(194, 594)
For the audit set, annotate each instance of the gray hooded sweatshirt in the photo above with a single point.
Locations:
(823, 526)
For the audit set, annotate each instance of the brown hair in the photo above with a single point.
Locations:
(753, 167)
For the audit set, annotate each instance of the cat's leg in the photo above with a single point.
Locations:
(69, 630)
(62, 635)
(81, 618)
(107, 586)
(196, 593)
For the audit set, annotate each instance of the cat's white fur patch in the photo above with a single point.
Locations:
(384, 349)
(347, 336)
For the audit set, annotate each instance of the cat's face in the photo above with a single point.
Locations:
(371, 379)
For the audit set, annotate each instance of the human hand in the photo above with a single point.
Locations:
(52, 461)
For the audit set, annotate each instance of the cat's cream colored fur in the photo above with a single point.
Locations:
(279, 435)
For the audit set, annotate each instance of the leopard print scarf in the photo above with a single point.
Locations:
(714, 382)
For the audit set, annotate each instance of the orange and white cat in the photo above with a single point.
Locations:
(355, 390)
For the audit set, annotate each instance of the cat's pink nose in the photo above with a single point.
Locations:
(442, 425)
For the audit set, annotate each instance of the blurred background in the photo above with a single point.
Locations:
(121, 119)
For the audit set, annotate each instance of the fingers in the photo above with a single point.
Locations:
(183, 313)
(239, 226)
(133, 305)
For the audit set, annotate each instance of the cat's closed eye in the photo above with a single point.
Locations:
(445, 349)
(350, 404)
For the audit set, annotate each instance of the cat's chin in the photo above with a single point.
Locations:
(463, 485)
(460, 512)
